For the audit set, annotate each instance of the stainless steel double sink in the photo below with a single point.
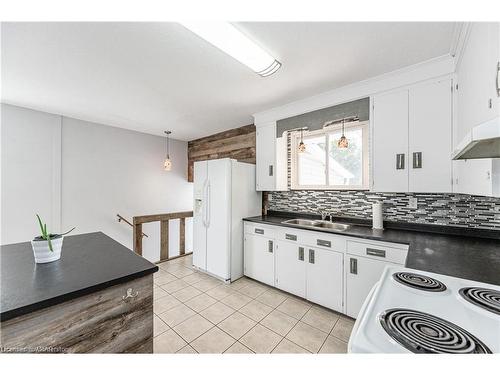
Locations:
(323, 224)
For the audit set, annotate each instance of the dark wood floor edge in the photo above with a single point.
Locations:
(14, 313)
(400, 225)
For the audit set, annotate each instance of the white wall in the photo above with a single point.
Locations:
(31, 169)
(105, 171)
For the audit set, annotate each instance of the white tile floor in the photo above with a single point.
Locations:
(196, 313)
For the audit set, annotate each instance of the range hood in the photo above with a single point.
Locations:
(482, 142)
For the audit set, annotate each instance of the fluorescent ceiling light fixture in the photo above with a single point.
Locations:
(229, 39)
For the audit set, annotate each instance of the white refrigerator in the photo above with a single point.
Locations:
(224, 193)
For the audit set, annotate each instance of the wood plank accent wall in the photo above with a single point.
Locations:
(236, 143)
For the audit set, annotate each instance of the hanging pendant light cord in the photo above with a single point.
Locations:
(168, 132)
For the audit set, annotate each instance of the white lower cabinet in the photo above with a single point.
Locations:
(311, 273)
(364, 263)
(325, 278)
(361, 276)
(338, 276)
(259, 258)
(291, 268)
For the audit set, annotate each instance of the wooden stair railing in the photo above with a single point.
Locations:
(121, 218)
(164, 220)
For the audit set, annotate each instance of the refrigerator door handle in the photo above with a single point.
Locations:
(204, 204)
(207, 204)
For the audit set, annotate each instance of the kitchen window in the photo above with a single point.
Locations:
(325, 166)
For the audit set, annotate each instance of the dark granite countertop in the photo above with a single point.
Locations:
(465, 256)
(89, 262)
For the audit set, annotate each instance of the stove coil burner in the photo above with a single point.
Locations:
(417, 281)
(487, 299)
(424, 333)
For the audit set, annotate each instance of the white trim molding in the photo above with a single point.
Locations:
(460, 36)
(436, 67)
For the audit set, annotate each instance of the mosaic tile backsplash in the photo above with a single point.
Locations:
(442, 209)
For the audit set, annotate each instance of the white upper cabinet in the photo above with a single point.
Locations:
(476, 77)
(271, 154)
(412, 130)
(265, 149)
(477, 101)
(411, 126)
(430, 132)
(390, 142)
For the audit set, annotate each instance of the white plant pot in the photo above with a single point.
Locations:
(42, 252)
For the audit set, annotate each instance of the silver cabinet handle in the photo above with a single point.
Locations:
(270, 246)
(324, 243)
(498, 79)
(400, 161)
(375, 252)
(353, 266)
(311, 256)
(259, 231)
(130, 294)
(417, 160)
(301, 253)
(271, 170)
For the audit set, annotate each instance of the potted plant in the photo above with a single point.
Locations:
(47, 247)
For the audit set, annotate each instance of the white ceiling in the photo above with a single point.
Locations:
(155, 76)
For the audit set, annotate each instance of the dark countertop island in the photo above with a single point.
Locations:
(464, 256)
(89, 263)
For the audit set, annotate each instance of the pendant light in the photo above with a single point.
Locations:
(342, 142)
(302, 146)
(168, 162)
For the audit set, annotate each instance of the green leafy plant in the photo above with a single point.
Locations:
(48, 236)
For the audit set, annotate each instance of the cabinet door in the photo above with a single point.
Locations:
(324, 272)
(291, 268)
(476, 74)
(473, 176)
(259, 258)
(265, 157)
(493, 67)
(390, 142)
(430, 137)
(361, 276)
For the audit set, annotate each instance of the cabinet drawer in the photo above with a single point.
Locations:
(291, 235)
(379, 251)
(324, 241)
(260, 230)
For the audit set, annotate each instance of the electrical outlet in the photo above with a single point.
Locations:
(413, 203)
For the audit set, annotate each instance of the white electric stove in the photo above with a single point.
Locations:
(411, 311)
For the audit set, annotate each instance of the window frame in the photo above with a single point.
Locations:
(295, 139)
